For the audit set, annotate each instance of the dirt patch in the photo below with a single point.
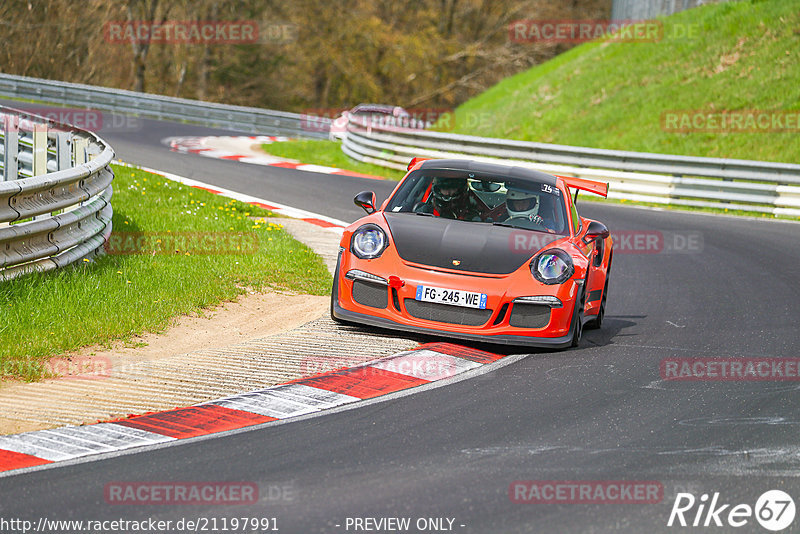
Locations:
(253, 315)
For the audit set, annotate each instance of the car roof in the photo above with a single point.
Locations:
(517, 173)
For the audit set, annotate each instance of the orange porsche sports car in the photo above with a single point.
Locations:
(476, 251)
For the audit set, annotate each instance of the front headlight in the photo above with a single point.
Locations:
(368, 242)
(553, 266)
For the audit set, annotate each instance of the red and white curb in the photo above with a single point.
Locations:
(323, 221)
(237, 148)
(426, 364)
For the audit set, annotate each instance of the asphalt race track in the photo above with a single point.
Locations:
(728, 288)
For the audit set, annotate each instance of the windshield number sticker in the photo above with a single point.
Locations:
(549, 189)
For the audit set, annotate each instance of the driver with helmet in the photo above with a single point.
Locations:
(451, 199)
(522, 206)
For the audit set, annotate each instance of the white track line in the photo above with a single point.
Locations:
(282, 209)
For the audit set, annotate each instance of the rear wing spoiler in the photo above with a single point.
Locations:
(414, 161)
(598, 188)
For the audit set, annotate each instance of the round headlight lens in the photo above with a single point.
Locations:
(368, 242)
(552, 266)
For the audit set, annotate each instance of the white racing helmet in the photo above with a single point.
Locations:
(521, 203)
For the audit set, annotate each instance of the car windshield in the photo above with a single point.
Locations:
(498, 200)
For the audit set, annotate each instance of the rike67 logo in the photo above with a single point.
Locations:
(774, 510)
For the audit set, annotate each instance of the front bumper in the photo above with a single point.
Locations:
(522, 341)
(498, 329)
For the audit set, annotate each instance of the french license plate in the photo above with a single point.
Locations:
(454, 297)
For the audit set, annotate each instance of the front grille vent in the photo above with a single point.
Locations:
(372, 295)
(529, 315)
(444, 313)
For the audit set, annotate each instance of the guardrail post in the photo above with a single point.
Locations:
(64, 150)
(11, 147)
(79, 146)
(39, 136)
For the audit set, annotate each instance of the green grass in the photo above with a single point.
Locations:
(328, 153)
(118, 296)
(744, 55)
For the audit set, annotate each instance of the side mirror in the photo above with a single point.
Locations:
(596, 230)
(367, 200)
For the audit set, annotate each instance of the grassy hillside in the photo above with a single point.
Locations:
(743, 56)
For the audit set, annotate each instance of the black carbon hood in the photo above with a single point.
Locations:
(479, 247)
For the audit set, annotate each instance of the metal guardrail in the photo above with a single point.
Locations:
(55, 194)
(755, 186)
(239, 118)
(650, 9)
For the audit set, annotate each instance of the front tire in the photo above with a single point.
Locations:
(598, 321)
(577, 318)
